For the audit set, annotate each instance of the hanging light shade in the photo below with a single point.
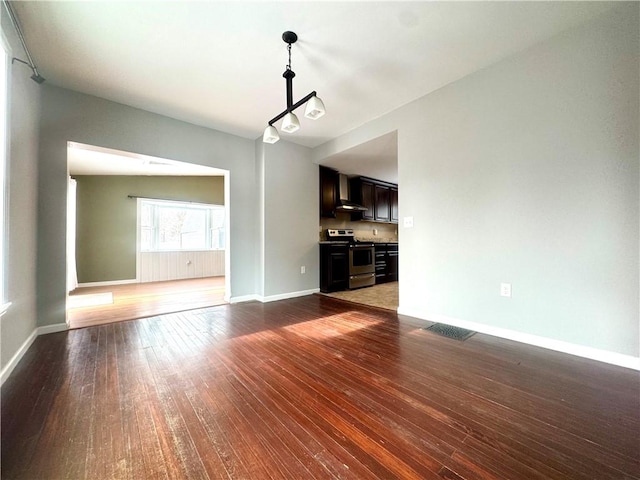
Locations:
(270, 135)
(290, 123)
(315, 108)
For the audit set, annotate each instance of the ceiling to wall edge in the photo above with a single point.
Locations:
(83, 159)
(376, 158)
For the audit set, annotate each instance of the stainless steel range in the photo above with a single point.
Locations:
(362, 267)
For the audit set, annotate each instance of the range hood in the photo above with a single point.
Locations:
(344, 202)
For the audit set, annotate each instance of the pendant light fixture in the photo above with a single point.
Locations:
(314, 110)
(270, 135)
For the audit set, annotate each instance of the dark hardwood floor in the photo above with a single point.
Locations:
(141, 300)
(311, 387)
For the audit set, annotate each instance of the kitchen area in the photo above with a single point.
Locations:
(358, 236)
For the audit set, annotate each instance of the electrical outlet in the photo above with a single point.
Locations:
(303, 270)
(505, 290)
(408, 222)
(375, 231)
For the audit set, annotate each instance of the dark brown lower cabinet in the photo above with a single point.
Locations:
(334, 267)
(392, 262)
(386, 262)
(381, 262)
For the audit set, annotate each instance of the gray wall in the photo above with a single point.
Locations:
(290, 206)
(527, 172)
(106, 221)
(19, 322)
(69, 116)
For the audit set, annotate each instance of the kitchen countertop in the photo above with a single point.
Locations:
(325, 242)
(376, 241)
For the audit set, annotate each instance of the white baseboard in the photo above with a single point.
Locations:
(107, 284)
(55, 328)
(604, 356)
(8, 368)
(284, 296)
(11, 365)
(272, 298)
(243, 298)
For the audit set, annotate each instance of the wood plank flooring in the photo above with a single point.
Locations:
(311, 388)
(141, 300)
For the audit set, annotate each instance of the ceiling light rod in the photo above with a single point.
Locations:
(36, 77)
(147, 197)
(315, 108)
(292, 108)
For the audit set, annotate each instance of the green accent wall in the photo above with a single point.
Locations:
(106, 218)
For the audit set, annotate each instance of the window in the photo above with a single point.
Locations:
(172, 226)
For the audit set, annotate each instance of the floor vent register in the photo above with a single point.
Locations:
(449, 331)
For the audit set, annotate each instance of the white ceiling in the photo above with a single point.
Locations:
(377, 158)
(220, 64)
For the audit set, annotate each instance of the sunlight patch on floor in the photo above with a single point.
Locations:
(89, 300)
(330, 326)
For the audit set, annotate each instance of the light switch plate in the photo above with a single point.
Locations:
(407, 222)
(505, 289)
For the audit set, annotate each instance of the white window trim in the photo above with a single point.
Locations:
(4, 179)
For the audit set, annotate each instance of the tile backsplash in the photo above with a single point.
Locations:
(385, 232)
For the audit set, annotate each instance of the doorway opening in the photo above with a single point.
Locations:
(367, 175)
(146, 236)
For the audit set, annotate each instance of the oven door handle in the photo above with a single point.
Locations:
(361, 246)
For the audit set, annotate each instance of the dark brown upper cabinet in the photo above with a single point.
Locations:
(380, 198)
(394, 204)
(328, 192)
(383, 203)
(366, 198)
